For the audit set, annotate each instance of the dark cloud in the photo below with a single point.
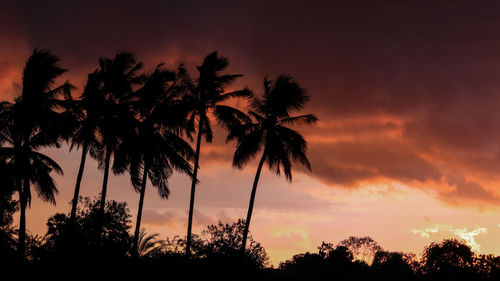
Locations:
(421, 78)
(347, 163)
(465, 191)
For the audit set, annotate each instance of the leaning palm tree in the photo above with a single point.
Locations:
(157, 148)
(206, 95)
(37, 119)
(87, 111)
(266, 129)
(115, 123)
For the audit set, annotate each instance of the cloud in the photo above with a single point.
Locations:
(173, 219)
(395, 101)
(468, 236)
(468, 190)
(351, 162)
(167, 218)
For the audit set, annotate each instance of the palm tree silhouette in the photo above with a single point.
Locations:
(206, 95)
(270, 132)
(116, 120)
(157, 148)
(37, 119)
(87, 110)
(148, 244)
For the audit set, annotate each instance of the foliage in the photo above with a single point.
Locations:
(8, 207)
(393, 266)
(82, 238)
(448, 259)
(221, 242)
(225, 240)
(362, 248)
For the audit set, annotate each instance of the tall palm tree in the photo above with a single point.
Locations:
(266, 129)
(37, 119)
(87, 110)
(157, 148)
(206, 95)
(119, 76)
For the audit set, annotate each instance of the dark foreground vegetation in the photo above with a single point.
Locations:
(79, 246)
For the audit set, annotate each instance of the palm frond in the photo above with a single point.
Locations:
(307, 119)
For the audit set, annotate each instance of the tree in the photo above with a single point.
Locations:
(224, 240)
(362, 248)
(149, 245)
(487, 266)
(157, 148)
(111, 240)
(116, 120)
(266, 128)
(336, 256)
(206, 95)
(448, 260)
(87, 110)
(37, 119)
(8, 206)
(392, 266)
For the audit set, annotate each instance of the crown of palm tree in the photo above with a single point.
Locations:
(114, 118)
(208, 92)
(37, 119)
(157, 142)
(267, 127)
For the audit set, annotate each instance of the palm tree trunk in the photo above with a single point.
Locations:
(22, 220)
(252, 199)
(139, 211)
(78, 182)
(193, 188)
(104, 190)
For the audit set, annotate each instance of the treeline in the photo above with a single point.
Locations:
(216, 254)
(140, 123)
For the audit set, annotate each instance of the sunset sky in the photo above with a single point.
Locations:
(407, 94)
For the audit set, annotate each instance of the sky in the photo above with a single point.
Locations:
(407, 93)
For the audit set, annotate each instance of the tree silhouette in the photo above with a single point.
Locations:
(362, 248)
(157, 148)
(392, 266)
(270, 132)
(8, 206)
(36, 120)
(92, 241)
(116, 119)
(448, 260)
(149, 245)
(338, 256)
(223, 240)
(207, 94)
(87, 111)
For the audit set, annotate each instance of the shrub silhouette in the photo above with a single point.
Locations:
(82, 239)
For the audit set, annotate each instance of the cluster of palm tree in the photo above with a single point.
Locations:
(141, 123)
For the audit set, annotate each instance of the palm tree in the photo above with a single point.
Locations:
(36, 120)
(157, 148)
(266, 128)
(116, 120)
(206, 95)
(149, 245)
(87, 111)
